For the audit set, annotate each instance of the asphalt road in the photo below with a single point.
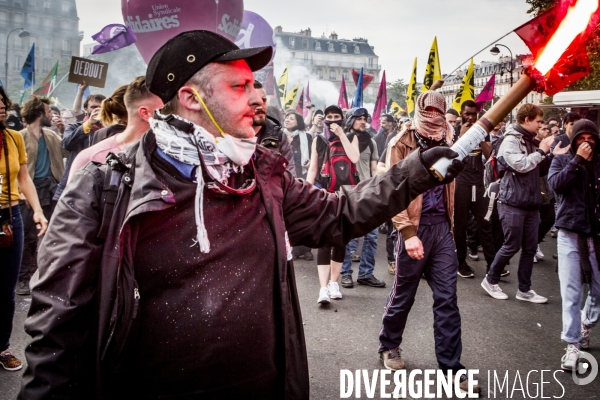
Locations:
(498, 336)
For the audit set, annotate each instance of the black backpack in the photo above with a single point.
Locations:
(337, 169)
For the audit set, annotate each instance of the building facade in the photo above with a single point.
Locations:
(330, 58)
(483, 72)
(54, 28)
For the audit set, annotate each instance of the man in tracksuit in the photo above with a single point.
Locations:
(573, 177)
(520, 200)
(426, 247)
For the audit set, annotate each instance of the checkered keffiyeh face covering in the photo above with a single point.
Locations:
(430, 119)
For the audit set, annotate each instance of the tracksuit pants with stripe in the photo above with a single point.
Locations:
(440, 266)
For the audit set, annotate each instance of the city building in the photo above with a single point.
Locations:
(483, 72)
(53, 27)
(330, 58)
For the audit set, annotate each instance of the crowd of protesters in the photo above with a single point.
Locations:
(544, 172)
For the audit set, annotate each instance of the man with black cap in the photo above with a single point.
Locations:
(190, 292)
(573, 178)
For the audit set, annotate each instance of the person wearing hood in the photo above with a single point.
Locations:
(426, 248)
(524, 160)
(299, 140)
(190, 291)
(574, 179)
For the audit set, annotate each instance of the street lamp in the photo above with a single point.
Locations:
(495, 51)
(22, 34)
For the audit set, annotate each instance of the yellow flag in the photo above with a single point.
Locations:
(466, 90)
(396, 109)
(290, 97)
(433, 72)
(411, 92)
(282, 84)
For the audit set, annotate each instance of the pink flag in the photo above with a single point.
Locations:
(300, 105)
(487, 94)
(343, 99)
(380, 104)
(307, 98)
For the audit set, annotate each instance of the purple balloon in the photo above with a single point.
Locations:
(255, 32)
(154, 22)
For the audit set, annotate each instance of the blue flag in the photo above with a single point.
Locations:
(358, 95)
(28, 70)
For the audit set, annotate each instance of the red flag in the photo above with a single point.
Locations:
(487, 94)
(573, 63)
(380, 104)
(366, 79)
(300, 104)
(343, 98)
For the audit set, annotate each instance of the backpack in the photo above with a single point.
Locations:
(337, 168)
(494, 169)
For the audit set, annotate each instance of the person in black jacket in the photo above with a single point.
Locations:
(520, 200)
(190, 292)
(574, 176)
(269, 132)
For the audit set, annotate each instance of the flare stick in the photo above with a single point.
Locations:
(477, 133)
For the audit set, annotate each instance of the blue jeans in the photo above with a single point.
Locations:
(367, 255)
(572, 290)
(10, 262)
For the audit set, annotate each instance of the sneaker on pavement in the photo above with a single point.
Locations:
(568, 362)
(392, 268)
(586, 331)
(334, 290)
(535, 259)
(308, 256)
(391, 359)
(347, 281)
(493, 290)
(23, 288)
(538, 253)
(503, 274)
(472, 254)
(9, 362)
(465, 271)
(323, 296)
(355, 257)
(531, 296)
(465, 383)
(371, 281)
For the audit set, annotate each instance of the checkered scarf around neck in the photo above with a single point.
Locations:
(187, 148)
(432, 123)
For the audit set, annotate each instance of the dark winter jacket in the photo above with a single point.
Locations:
(569, 180)
(520, 186)
(272, 137)
(84, 295)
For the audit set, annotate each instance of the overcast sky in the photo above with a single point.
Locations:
(400, 30)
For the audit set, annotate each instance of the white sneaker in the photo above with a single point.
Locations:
(334, 290)
(535, 259)
(493, 290)
(323, 296)
(531, 296)
(538, 253)
(569, 360)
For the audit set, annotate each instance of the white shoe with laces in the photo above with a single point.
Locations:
(323, 296)
(531, 297)
(538, 253)
(493, 290)
(569, 360)
(334, 290)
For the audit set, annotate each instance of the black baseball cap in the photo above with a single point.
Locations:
(333, 109)
(185, 54)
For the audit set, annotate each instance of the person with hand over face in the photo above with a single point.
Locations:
(195, 267)
(332, 143)
(13, 177)
(573, 177)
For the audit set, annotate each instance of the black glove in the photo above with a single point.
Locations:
(431, 156)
